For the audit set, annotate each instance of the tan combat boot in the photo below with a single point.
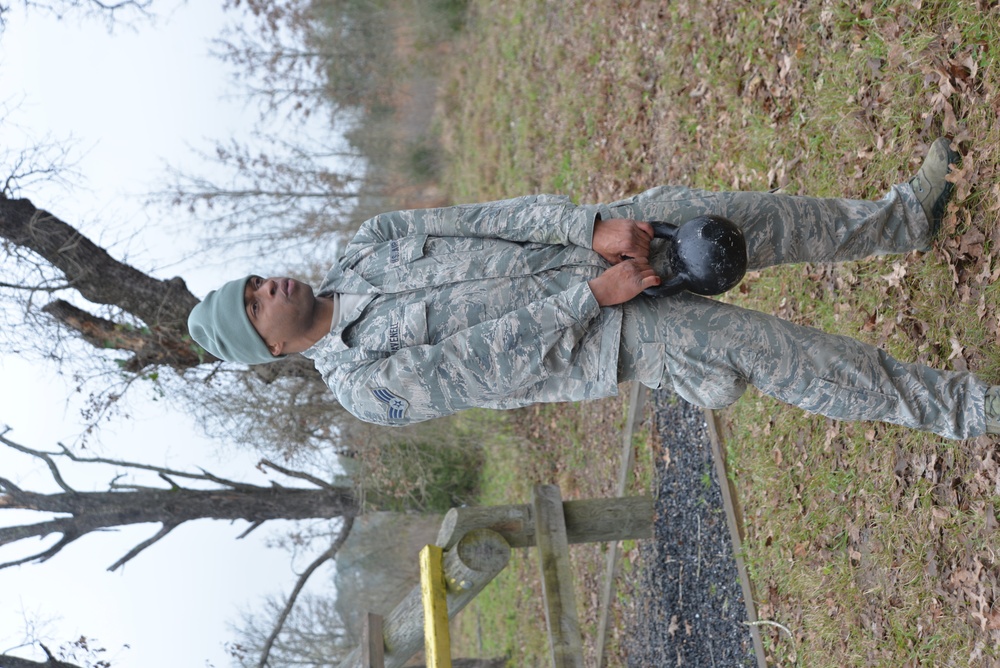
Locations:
(991, 406)
(930, 186)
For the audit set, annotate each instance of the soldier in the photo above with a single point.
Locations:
(535, 299)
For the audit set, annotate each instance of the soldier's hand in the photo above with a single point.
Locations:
(620, 239)
(623, 281)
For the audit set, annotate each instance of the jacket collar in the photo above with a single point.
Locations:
(344, 280)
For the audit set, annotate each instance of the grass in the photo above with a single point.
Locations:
(873, 544)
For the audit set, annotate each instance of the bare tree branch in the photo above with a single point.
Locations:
(160, 470)
(296, 474)
(40, 455)
(303, 195)
(164, 530)
(163, 476)
(108, 12)
(205, 475)
(44, 555)
(70, 650)
(323, 558)
(158, 334)
(98, 277)
(36, 288)
(249, 529)
(45, 160)
(150, 346)
(8, 486)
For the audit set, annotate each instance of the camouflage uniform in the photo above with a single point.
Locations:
(487, 305)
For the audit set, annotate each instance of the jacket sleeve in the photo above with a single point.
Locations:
(547, 219)
(485, 363)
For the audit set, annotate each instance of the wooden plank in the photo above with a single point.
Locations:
(565, 641)
(603, 520)
(372, 642)
(468, 567)
(587, 521)
(437, 640)
(636, 402)
(734, 519)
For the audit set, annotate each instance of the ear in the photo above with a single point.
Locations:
(276, 348)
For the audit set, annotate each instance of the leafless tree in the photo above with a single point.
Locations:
(77, 513)
(321, 67)
(80, 513)
(313, 636)
(328, 61)
(298, 56)
(293, 198)
(109, 11)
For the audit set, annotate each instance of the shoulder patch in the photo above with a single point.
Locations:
(395, 405)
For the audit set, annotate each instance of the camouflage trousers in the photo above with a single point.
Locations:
(709, 351)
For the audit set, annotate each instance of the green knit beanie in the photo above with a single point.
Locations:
(220, 325)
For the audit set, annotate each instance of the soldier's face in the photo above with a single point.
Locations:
(280, 309)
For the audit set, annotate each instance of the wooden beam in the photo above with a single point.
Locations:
(565, 641)
(372, 644)
(587, 521)
(637, 400)
(731, 503)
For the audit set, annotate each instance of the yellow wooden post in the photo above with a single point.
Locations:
(437, 640)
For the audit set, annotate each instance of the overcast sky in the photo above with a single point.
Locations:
(132, 100)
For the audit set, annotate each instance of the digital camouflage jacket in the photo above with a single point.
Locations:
(482, 305)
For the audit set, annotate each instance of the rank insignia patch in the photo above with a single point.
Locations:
(395, 405)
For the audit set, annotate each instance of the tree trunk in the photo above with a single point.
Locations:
(7, 661)
(162, 305)
(89, 268)
(94, 511)
(252, 503)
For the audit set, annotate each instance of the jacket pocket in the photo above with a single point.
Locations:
(406, 250)
(374, 262)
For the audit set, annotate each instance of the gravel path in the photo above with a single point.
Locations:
(692, 613)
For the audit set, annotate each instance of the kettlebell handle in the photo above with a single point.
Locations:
(668, 288)
(675, 284)
(663, 230)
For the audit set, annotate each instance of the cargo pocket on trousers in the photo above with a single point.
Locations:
(845, 402)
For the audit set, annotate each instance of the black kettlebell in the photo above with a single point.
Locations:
(707, 256)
